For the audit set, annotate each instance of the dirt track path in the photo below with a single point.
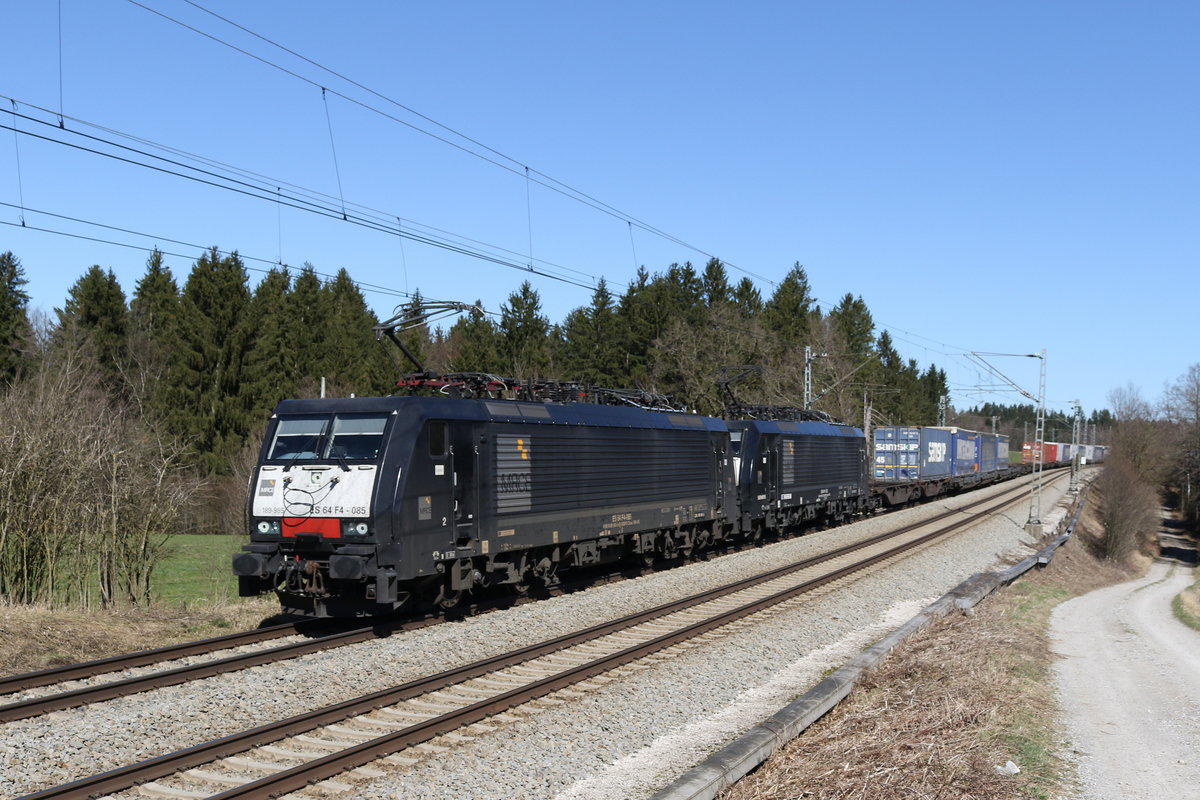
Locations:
(1129, 681)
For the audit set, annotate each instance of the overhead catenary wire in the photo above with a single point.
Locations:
(633, 247)
(998, 374)
(513, 165)
(403, 257)
(60, 66)
(197, 248)
(268, 183)
(529, 215)
(245, 188)
(17, 147)
(333, 148)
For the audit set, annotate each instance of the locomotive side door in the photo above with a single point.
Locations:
(465, 456)
(721, 464)
(768, 463)
(435, 501)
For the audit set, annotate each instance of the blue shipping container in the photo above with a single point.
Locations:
(963, 450)
(936, 453)
(897, 453)
(988, 461)
(966, 452)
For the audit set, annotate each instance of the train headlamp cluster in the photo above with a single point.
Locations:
(350, 527)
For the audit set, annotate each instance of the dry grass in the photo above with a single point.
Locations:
(966, 695)
(36, 637)
(1187, 606)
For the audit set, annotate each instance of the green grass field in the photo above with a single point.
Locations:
(197, 570)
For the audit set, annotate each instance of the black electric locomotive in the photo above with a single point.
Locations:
(792, 472)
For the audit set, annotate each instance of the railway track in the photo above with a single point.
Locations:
(43, 703)
(12, 684)
(71, 698)
(400, 725)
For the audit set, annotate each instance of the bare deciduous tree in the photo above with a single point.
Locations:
(686, 360)
(1181, 406)
(87, 492)
(1129, 509)
(1137, 436)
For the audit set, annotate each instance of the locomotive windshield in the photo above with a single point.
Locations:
(349, 437)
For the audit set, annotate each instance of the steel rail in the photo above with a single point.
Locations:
(160, 766)
(87, 669)
(36, 706)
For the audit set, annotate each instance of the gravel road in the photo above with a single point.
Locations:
(1129, 683)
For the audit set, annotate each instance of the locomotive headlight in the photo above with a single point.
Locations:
(268, 526)
(361, 529)
(355, 528)
(264, 527)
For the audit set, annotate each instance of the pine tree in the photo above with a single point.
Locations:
(210, 406)
(788, 314)
(747, 299)
(474, 343)
(308, 320)
(853, 321)
(523, 334)
(896, 394)
(716, 283)
(155, 303)
(934, 387)
(153, 320)
(636, 316)
(95, 309)
(912, 408)
(351, 355)
(591, 341)
(271, 370)
(682, 295)
(16, 334)
(650, 308)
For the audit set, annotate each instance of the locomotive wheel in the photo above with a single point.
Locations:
(448, 599)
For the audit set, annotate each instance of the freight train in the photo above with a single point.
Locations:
(1059, 453)
(365, 506)
(914, 462)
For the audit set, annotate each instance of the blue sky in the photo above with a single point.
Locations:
(989, 177)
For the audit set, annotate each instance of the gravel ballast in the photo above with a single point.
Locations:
(624, 739)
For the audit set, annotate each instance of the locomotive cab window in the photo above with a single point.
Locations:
(298, 438)
(357, 437)
(346, 437)
(439, 440)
